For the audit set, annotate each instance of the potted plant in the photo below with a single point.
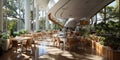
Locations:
(5, 42)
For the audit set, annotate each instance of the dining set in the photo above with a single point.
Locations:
(21, 42)
(71, 41)
(29, 40)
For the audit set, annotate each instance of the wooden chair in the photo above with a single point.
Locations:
(57, 41)
(11, 39)
(15, 44)
(39, 35)
(27, 44)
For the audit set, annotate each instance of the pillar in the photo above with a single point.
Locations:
(119, 17)
(37, 21)
(1, 17)
(27, 15)
(46, 22)
(119, 14)
(19, 21)
(43, 12)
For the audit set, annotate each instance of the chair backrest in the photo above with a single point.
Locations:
(58, 39)
(28, 42)
(11, 39)
(14, 43)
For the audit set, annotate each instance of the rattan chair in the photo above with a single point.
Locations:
(27, 44)
(15, 44)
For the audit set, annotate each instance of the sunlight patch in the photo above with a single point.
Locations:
(68, 55)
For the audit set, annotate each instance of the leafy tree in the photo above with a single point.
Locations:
(12, 8)
(110, 23)
(117, 8)
(110, 13)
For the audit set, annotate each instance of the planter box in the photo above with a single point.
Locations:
(99, 49)
(93, 45)
(105, 51)
(116, 55)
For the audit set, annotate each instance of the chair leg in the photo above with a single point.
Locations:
(16, 49)
(61, 45)
(26, 49)
(54, 43)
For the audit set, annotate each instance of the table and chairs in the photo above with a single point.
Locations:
(21, 42)
(70, 41)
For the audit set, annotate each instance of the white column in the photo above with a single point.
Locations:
(27, 15)
(37, 15)
(51, 25)
(1, 17)
(42, 15)
(47, 22)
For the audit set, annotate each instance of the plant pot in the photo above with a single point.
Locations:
(5, 44)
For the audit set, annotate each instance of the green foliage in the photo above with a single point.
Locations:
(109, 28)
(22, 32)
(11, 24)
(16, 34)
(11, 32)
(113, 42)
(82, 32)
(12, 7)
(5, 36)
(11, 27)
(117, 8)
(112, 13)
(109, 11)
(56, 26)
(101, 40)
(38, 31)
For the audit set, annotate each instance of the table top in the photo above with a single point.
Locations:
(21, 38)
